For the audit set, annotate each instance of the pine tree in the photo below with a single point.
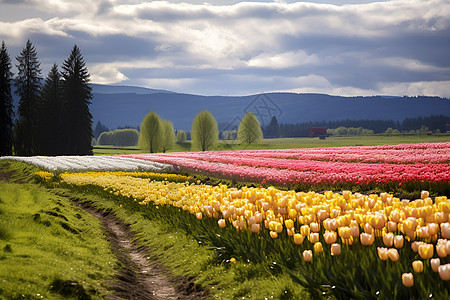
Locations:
(49, 119)
(6, 103)
(28, 84)
(77, 94)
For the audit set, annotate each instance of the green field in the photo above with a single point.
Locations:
(286, 143)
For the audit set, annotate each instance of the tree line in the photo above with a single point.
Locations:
(53, 116)
(438, 123)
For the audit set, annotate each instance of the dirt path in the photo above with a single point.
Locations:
(140, 277)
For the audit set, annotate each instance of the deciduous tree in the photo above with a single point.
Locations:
(249, 130)
(168, 135)
(181, 136)
(205, 132)
(151, 135)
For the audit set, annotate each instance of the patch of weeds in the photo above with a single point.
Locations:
(7, 248)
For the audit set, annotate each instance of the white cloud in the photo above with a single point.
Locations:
(106, 75)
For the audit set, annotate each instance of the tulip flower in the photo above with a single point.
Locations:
(445, 229)
(424, 194)
(305, 230)
(255, 228)
(441, 250)
(393, 254)
(366, 239)
(415, 246)
(444, 272)
(335, 249)
(392, 226)
(298, 238)
(307, 255)
(313, 237)
(318, 248)
(354, 231)
(408, 279)
(199, 215)
(398, 241)
(289, 223)
(368, 228)
(417, 266)
(388, 239)
(314, 227)
(435, 263)
(221, 223)
(344, 232)
(426, 251)
(330, 237)
(382, 253)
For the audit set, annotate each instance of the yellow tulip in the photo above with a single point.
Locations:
(318, 247)
(305, 230)
(314, 227)
(426, 251)
(344, 232)
(289, 223)
(330, 237)
(313, 237)
(221, 223)
(298, 238)
(273, 234)
(417, 266)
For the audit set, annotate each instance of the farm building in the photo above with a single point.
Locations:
(320, 132)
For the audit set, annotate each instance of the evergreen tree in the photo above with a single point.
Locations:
(49, 114)
(77, 94)
(205, 132)
(28, 83)
(151, 135)
(99, 128)
(168, 135)
(6, 103)
(249, 130)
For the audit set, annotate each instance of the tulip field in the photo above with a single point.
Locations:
(341, 239)
(412, 167)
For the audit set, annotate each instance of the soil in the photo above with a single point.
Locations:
(141, 276)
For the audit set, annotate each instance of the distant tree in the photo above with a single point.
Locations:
(249, 130)
(168, 135)
(49, 116)
(205, 132)
(181, 136)
(151, 135)
(6, 103)
(389, 131)
(273, 129)
(28, 83)
(77, 94)
(99, 128)
(119, 137)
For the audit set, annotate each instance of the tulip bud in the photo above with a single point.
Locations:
(199, 215)
(318, 247)
(444, 272)
(435, 263)
(313, 237)
(307, 255)
(398, 241)
(258, 217)
(392, 226)
(305, 230)
(445, 229)
(424, 195)
(221, 223)
(393, 254)
(408, 279)
(279, 227)
(368, 228)
(289, 223)
(298, 238)
(335, 249)
(388, 239)
(330, 237)
(367, 239)
(255, 228)
(441, 250)
(417, 266)
(314, 227)
(382, 253)
(273, 234)
(426, 251)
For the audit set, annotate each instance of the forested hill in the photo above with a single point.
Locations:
(123, 105)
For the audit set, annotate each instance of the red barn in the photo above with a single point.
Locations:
(318, 131)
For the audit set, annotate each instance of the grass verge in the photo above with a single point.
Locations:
(48, 247)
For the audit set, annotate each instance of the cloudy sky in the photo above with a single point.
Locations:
(229, 47)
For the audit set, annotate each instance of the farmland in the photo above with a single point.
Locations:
(343, 222)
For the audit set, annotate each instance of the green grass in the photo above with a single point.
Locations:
(184, 254)
(286, 143)
(49, 248)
